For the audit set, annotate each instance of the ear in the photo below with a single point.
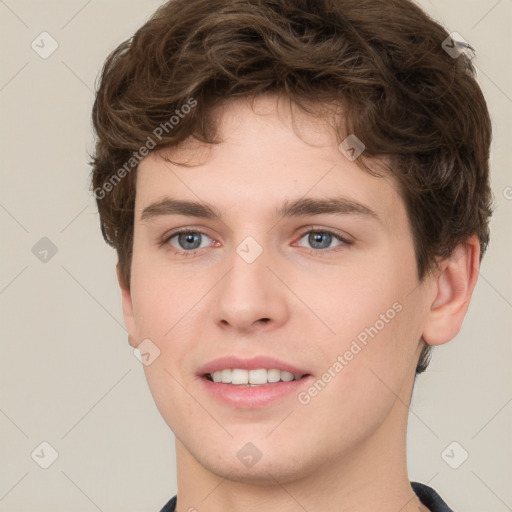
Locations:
(129, 320)
(454, 285)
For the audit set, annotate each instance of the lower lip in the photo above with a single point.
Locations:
(247, 397)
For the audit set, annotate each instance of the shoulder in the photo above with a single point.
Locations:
(170, 505)
(430, 498)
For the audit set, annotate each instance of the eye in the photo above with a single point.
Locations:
(319, 240)
(188, 240)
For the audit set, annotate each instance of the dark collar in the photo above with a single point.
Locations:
(426, 494)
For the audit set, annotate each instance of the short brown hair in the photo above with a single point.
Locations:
(402, 94)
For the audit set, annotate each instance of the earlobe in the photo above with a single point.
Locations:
(128, 316)
(454, 285)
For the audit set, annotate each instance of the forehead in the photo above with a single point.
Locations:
(268, 154)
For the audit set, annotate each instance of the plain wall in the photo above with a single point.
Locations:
(68, 375)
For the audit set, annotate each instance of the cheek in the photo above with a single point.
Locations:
(361, 305)
(376, 318)
(364, 373)
(159, 298)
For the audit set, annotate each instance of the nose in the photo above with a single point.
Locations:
(250, 297)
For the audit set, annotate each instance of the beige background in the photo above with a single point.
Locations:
(68, 375)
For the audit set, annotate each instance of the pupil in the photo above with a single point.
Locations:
(187, 240)
(315, 238)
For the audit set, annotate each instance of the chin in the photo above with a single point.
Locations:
(271, 469)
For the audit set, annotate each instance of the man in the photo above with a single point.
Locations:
(298, 194)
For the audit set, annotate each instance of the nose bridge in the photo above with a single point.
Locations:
(248, 276)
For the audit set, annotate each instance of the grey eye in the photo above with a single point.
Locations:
(189, 240)
(319, 240)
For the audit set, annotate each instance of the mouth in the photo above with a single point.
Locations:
(252, 383)
(252, 378)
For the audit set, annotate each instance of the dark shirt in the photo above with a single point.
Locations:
(426, 494)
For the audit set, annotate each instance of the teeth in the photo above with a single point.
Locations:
(274, 375)
(257, 377)
(286, 376)
(239, 376)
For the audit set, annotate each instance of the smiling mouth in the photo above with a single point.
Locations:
(252, 378)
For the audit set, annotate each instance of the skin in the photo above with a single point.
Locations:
(346, 448)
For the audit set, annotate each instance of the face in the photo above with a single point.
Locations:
(294, 260)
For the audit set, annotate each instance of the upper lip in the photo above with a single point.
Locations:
(252, 363)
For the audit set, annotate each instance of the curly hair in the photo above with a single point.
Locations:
(384, 61)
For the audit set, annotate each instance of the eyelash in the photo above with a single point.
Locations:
(313, 252)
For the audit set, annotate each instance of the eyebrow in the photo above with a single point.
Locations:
(298, 208)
